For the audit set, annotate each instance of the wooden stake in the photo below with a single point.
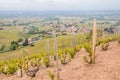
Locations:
(94, 41)
(20, 64)
(56, 51)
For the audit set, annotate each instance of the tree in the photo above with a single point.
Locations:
(19, 40)
(14, 45)
(26, 42)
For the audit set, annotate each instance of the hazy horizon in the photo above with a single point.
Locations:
(51, 5)
(6, 14)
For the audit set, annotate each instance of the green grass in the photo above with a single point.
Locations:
(7, 36)
(41, 46)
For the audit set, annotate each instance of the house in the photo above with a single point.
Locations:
(1, 28)
(72, 29)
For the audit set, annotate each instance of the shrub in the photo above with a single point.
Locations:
(2, 63)
(9, 68)
(106, 40)
(62, 55)
(33, 68)
(52, 76)
(104, 46)
(77, 48)
(88, 48)
(70, 51)
(35, 62)
(46, 61)
(52, 53)
(86, 60)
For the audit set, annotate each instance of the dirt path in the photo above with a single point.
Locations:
(107, 67)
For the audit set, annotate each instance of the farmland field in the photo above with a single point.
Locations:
(7, 36)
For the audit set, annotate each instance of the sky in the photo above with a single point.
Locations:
(59, 5)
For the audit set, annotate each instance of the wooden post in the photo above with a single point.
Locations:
(94, 41)
(27, 61)
(19, 72)
(56, 51)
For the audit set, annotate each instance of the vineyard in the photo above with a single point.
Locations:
(55, 58)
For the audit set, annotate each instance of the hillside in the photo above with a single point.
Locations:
(7, 36)
(107, 67)
(40, 46)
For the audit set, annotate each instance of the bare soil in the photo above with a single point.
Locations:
(107, 67)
